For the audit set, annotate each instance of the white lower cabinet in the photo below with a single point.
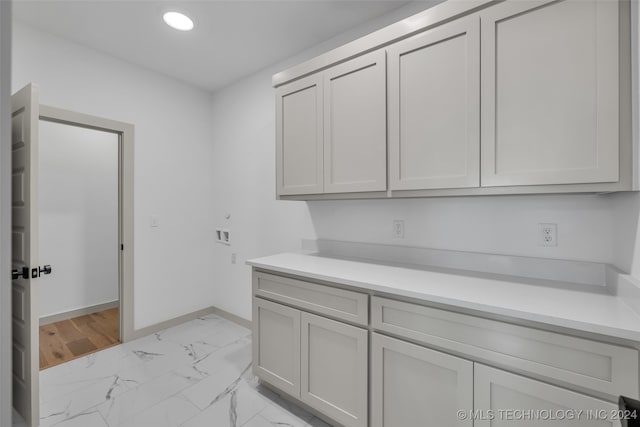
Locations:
(505, 399)
(413, 386)
(276, 345)
(324, 363)
(321, 362)
(334, 369)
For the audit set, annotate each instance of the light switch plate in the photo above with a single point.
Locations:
(398, 229)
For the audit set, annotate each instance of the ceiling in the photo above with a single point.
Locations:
(231, 39)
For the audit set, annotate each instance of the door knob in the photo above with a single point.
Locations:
(16, 274)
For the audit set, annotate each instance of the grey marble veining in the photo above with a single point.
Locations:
(195, 374)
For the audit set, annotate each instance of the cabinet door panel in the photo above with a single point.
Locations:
(334, 369)
(414, 386)
(550, 93)
(355, 133)
(434, 108)
(502, 394)
(299, 136)
(276, 345)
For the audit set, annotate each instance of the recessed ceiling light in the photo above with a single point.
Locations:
(178, 21)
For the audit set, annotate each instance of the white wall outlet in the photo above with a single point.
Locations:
(398, 229)
(219, 235)
(547, 234)
(154, 221)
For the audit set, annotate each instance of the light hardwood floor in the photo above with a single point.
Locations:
(69, 339)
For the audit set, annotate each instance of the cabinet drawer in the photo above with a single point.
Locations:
(606, 368)
(337, 303)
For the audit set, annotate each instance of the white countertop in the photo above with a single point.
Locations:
(532, 300)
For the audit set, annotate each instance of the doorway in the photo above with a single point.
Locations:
(78, 237)
(104, 129)
(29, 276)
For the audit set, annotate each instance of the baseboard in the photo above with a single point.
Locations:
(148, 330)
(79, 312)
(297, 402)
(232, 317)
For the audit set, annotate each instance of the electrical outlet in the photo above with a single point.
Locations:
(398, 228)
(547, 234)
(226, 236)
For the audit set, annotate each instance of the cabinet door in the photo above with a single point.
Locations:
(414, 386)
(550, 93)
(276, 345)
(334, 369)
(434, 108)
(299, 136)
(355, 130)
(503, 394)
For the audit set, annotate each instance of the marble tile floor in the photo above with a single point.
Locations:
(193, 375)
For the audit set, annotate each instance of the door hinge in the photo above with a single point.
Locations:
(121, 247)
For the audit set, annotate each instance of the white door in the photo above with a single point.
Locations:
(24, 137)
(550, 93)
(413, 386)
(299, 136)
(334, 369)
(355, 125)
(505, 399)
(434, 108)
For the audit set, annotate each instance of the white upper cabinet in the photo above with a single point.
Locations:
(465, 98)
(355, 125)
(550, 93)
(299, 137)
(434, 108)
(331, 130)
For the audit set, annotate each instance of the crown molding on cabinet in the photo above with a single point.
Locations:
(408, 27)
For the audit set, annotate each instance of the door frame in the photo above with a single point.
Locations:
(125, 132)
(6, 374)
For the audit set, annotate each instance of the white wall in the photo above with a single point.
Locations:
(626, 206)
(173, 177)
(243, 129)
(78, 196)
(626, 217)
(6, 398)
(501, 225)
(198, 160)
(243, 121)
